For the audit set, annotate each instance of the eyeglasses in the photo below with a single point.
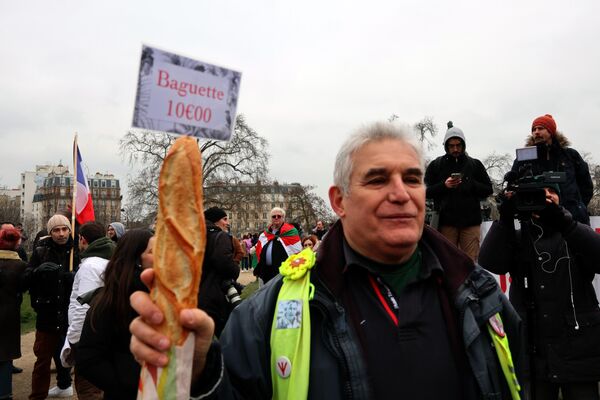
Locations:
(276, 216)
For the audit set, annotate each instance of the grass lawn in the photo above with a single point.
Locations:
(27, 315)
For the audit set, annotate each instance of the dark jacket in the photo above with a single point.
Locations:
(103, 355)
(50, 298)
(12, 271)
(567, 334)
(338, 368)
(218, 270)
(577, 191)
(458, 207)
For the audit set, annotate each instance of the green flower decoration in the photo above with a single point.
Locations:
(296, 265)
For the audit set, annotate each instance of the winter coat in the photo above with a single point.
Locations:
(218, 270)
(576, 192)
(50, 297)
(88, 277)
(103, 355)
(567, 334)
(238, 250)
(12, 271)
(338, 369)
(458, 207)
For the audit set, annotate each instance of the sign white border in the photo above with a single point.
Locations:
(179, 95)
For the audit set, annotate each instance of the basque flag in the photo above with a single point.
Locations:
(84, 209)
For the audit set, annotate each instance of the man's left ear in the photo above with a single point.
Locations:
(336, 199)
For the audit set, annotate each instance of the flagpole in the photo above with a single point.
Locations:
(73, 203)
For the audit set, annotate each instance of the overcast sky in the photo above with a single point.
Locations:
(312, 71)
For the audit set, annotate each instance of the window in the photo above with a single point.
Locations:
(103, 183)
(95, 183)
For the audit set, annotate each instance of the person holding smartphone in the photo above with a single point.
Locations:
(457, 183)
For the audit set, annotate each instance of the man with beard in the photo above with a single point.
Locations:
(555, 155)
(457, 183)
(50, 287)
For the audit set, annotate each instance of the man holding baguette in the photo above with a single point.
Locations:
(391, 309)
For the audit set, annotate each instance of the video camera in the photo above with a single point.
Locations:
(529, 193)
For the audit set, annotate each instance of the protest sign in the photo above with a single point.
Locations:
(180, 95)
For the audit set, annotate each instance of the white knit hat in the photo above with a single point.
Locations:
(57, 220)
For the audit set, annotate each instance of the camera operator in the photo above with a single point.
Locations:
(219, 270)
(552, 260)
(555, 155)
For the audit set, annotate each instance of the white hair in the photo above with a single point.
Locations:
(281, 210)
(375, 132)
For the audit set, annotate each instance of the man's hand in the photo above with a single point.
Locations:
(507, 208)
(452, 183)
(150, 346)
(557, 217)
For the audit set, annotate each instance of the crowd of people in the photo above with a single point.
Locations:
(79, 290)
(384, 306)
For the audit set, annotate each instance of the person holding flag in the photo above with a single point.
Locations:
(279, 241)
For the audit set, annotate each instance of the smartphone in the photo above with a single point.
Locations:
(456, 175)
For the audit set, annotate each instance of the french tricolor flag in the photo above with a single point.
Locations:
(84, 209)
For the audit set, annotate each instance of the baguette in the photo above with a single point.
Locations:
(180, 236)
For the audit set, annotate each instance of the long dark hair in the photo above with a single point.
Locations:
(119, 277)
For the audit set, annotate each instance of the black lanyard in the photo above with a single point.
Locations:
(382, 300)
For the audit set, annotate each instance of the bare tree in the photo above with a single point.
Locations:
(496, 166)
(9, 209)
(307, 207)
(594, 204)
(424, 128)
(243, 159)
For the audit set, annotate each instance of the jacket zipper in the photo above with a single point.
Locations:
(320, 305)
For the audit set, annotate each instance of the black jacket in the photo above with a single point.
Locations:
(567, 334)
(12, 271)
(103, 355)
(339, 368)
(458, 207)
(50, 297)
(218, 270)
(577, 191)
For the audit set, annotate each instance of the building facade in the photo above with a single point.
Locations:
(30, 181)
(56, 194)
(248, 204)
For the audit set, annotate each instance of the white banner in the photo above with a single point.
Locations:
(180, 95)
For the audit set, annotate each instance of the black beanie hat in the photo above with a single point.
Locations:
(214, 214)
